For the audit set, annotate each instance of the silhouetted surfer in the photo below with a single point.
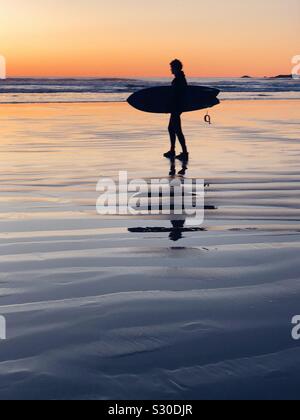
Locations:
(179, 86)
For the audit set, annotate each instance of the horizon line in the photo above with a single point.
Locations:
(139, 77)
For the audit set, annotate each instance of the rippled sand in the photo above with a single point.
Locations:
(127, 308)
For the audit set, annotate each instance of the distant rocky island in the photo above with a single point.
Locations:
(283, 76)
(280, 76)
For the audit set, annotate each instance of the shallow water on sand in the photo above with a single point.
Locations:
(133, 308)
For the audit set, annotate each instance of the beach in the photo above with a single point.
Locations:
(120, 307)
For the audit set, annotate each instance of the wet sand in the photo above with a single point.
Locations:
(126, 308)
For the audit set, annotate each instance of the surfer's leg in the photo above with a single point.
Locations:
(179, 133)
(172, 132)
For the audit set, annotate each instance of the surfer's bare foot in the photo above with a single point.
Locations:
(170, 155)
(183, 157)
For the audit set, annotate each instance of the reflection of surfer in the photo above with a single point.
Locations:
(183, 170)
(177, 230)
(179, 86)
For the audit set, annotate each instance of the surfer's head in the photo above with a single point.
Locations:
(176, 66)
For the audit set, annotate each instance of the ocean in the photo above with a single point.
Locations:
(58, 90)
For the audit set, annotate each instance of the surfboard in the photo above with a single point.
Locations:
(158, 100)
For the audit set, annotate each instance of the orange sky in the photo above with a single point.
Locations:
(139, 37)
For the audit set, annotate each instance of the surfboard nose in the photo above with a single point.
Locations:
(130, 99)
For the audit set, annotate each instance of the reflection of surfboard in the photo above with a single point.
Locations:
(159, 99)
(165, 230)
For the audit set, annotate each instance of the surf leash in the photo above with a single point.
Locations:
(207, 118)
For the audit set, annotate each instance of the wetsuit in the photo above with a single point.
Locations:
(179, 86)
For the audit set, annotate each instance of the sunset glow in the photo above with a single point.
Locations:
(128, 38)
